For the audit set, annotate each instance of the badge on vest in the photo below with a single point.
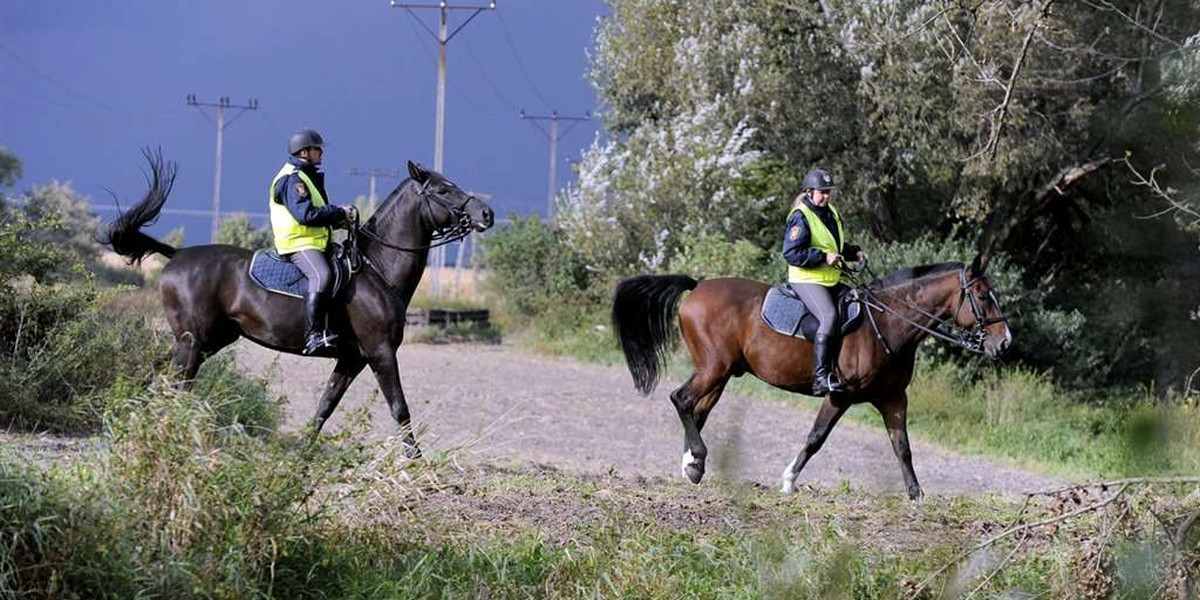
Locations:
(794, 233)
(301, 189)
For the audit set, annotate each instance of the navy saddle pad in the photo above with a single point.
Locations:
(282, 277)
(784, 312)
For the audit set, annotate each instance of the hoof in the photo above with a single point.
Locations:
(789, 486)
(694, 473)
(412, 452)
(915, 494)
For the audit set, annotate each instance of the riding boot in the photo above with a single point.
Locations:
(824, 379)
(318, 341)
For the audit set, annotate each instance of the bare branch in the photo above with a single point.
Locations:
(998, 129)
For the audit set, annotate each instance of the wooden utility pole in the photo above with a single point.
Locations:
(221, 104)
(372, 174)
(443, 37)
(553, 135)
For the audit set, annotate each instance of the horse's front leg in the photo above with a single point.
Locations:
(895, 418)
(348, 367)
(827, 417)
(387, 373)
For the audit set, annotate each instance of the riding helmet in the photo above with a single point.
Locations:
(818, 179)
(305, 138)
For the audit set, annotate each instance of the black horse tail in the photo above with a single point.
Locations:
(643, 315)
(124, 235)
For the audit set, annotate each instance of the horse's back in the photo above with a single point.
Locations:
(198, 281)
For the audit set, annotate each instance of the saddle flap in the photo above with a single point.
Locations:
(784, 312)
(278, 275)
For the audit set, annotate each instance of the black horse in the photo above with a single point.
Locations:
(210, 300)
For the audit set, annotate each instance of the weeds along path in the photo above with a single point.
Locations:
(506, 407)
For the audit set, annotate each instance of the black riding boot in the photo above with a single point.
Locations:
(318, 341)
(825, 380)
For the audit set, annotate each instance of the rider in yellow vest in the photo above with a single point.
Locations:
(813, 244)
(301, 220)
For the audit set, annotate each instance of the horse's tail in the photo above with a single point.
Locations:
(124, 235)
(642, 315)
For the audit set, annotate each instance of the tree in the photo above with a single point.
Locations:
(10, 168)
(67, 218)
(237, 230)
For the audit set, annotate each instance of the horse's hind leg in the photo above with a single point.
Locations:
(827, 417)
(348, 367)
(693, 401)
(186, 358)
(895, 418)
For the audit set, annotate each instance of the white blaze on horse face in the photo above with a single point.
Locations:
(688, 459)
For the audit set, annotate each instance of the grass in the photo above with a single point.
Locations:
(1023, 419)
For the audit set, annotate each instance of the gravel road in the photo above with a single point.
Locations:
(507, 407)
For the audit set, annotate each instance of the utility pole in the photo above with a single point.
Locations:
(221, 104)
(372, 174)
(553, 135)
(443, 38)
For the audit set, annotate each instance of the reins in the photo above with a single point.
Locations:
(969, 339)
(441, 235)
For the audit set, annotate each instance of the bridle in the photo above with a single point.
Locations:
(970, 339)
(462, 227)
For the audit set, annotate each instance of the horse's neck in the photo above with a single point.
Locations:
(933, 297)
(403, 268)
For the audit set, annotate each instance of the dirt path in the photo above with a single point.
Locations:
(509, 407)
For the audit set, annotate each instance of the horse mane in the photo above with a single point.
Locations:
(385, 212)
(910, 275)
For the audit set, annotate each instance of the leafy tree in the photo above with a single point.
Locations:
(71, 226)
(10, 168)
(237, 230)
(996, 122)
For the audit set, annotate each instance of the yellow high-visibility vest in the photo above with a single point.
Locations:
(823, 240)
(290, 235)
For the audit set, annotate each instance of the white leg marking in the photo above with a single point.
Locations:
(687, 460)
(789, 478)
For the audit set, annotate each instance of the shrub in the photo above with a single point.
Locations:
(712, 256)
(63, 346)
(532, 267)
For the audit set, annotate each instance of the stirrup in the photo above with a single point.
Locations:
(320, 343)
(827, 384)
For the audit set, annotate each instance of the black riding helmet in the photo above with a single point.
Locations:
(818, 179)
(305, 138)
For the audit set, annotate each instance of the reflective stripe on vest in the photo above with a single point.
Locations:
(823, 240)
(290, 235)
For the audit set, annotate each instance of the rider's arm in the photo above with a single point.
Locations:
(797, 243)
(298, 202)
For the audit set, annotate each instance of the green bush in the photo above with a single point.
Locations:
(532, 268)
(711, 256)
(63, 347)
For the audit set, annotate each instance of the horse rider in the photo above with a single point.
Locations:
(813, 244)
(301, 221)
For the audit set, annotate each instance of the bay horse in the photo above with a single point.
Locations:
(726, 337)
(210, 300)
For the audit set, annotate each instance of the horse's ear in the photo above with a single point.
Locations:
(979, 265)
(417, 172)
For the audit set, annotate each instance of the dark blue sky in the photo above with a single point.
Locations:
(86, 85)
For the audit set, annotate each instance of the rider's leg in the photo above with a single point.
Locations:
(819, 301)
(317, 338)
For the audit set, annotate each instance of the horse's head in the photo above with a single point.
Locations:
(450, 206)
(982, 313)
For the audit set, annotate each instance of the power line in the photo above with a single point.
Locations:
(443, 37)
(553, 135)
(520, 63)
(47, 77)
(221, 104)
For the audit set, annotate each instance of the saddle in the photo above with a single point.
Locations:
(280, 276)
(784, 311)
